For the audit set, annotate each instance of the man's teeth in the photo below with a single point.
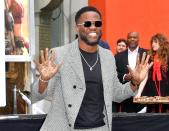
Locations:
(93, 34)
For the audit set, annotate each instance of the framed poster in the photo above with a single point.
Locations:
(2, 59)
(19, 29)
(17, 36)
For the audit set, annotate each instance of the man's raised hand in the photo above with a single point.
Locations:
(141, 69)
(47, 66)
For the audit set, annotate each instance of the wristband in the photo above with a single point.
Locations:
(42, 80)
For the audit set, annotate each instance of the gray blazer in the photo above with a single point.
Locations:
(67, 88)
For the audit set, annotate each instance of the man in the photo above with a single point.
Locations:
(123, 59)
(121, 45)
(82, 79)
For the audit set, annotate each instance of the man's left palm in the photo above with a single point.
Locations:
(139, 73)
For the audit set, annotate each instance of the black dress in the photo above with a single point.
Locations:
(157, 88)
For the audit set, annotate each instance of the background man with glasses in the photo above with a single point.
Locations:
(82, 79)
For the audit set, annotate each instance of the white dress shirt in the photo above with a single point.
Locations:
(132, 58)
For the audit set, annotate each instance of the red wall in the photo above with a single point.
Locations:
(100, 4)
(122, 16)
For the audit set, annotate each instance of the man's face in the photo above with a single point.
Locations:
(133, 40)
(89, 28)
(121, 46)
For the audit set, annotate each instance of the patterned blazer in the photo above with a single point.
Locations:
(68, 88)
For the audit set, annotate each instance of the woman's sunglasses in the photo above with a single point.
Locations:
(90, 23)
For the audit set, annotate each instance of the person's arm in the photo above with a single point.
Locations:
(124, 91)
(46, 68)
(141, 87)
(42, 85)
(140, 72)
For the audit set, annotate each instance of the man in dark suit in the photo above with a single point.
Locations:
(123, 59)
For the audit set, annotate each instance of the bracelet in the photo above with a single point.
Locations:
(42, 80)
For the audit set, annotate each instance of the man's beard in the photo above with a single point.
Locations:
(133, 46)
(87, 41)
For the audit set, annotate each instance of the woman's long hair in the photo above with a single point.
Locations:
(163, 52)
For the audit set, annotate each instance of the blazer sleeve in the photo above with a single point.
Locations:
(120, 91)
(52, 84)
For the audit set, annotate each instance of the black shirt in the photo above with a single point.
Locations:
(91, 111)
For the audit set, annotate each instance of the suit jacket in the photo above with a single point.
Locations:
(121, 63)
(67, 88)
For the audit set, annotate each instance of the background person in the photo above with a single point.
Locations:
(121, 45)
(129, 57)
(157, 82)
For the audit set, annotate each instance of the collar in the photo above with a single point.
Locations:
(134, 51)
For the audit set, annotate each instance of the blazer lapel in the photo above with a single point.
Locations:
(126, 57)
(104, 69)
(75, 62)
(106, 76)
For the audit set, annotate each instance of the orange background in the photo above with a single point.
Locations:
(147, 17)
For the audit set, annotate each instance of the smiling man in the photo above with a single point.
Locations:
(82, 79)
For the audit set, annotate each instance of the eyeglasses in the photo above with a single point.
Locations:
(90, 23)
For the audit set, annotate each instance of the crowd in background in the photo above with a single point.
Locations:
(157, 81)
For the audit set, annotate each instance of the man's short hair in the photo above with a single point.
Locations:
(86, 9)
(122, 40)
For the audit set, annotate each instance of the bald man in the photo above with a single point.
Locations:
(123, 59)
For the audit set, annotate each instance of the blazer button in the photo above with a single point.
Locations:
(69, 105)
(70, 125)
(74, 86)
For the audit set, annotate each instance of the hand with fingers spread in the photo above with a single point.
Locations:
(140, 72)
(46, 67)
